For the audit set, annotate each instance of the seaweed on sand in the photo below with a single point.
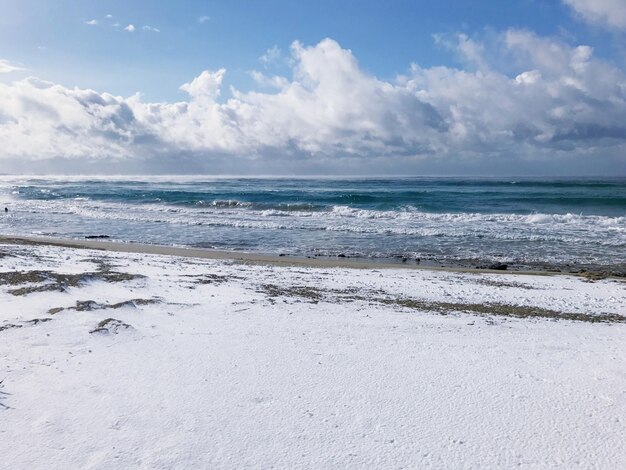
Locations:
(315, 295)
(90, 305)
(49, 281)
(110, 326)
(3, 395)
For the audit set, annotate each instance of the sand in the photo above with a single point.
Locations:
(241, 256)
(119, 356)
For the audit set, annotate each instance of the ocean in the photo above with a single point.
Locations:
(553, 224)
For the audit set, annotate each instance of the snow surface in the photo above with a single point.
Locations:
(245, 365)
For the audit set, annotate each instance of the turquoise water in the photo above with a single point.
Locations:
(522, 222)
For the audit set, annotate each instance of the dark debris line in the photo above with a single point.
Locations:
(50, 281)
(315, 295)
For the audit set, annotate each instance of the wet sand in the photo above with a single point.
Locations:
(243, 257)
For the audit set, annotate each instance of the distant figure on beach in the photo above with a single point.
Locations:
(6, 209)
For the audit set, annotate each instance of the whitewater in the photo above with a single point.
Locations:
(552, 224)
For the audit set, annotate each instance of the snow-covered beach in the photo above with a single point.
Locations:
(141, 360)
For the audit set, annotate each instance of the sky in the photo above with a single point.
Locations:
(327, 87)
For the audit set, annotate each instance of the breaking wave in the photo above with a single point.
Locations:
(526, 221)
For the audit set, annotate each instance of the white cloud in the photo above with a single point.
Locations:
(607, 12)
(275, 81)
(109, 16)
(271, 56)
(561, 101)
(43, 120)
(150, 28)
(468, 50)
(203, 19)
(91, 22)
(130, 28)
(207, 85)
(8, 67)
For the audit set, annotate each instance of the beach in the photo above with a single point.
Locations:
(313, 235)
(118, 355)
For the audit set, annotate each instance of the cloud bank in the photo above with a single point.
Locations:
(611, 13)
(560, 109)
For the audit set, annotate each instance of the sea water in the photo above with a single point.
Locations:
(536, 223)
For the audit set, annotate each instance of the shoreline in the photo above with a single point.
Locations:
(252, 258)
(361, 224)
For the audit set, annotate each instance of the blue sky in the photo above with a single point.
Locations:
(52, 40)
(269, 50)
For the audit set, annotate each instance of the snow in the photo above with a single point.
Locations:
(255, 365)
